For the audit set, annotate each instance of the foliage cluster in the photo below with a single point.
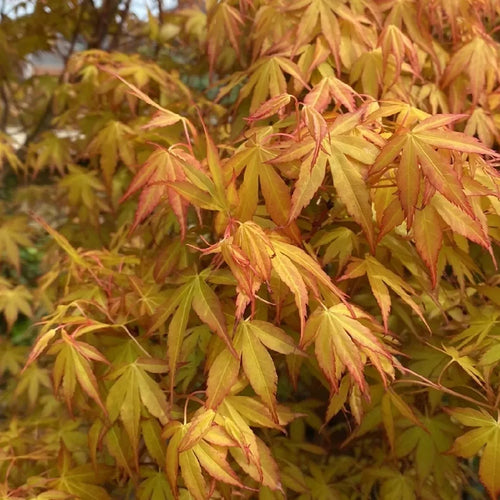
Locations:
(256, 242)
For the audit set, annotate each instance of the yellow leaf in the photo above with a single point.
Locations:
(258, 366)
(222, 375)
(192, 475)
(214, 462)
(197, 428)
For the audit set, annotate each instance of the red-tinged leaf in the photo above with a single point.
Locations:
(254, 412)
(388, 154)
(197, 428)
(216, 464)
(329, 14)
(408, 179)
(77, 365)
(365, 339)
(153, 168)
(308, 183)
(208, 308)
(256, 245)
(192, 475)
(392, 217)
(270, 107)
(319, 97)
(258, 366)
(40, 345)
(342, 93)
(455, 141)
(292, 69)
(394, 42)
(353, 191)
(428, 238)
(317, 127)
(219, 437)
(144, 97)
(460, 222)
(267, 472)
(222, 375)
(149, 199)
(335, 350)
(163, 118)
(237, 427)
(308, 264)
(437, 121)
(440, 175)
(355, 269)
(292, 278)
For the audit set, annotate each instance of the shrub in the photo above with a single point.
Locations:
(259, 246)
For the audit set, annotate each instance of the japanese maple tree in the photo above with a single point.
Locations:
(249, 249)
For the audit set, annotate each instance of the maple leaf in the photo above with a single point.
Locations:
(51, 151)
(346, 154)
(14, 301)
(82, 187)
(133, 389)
(339, 341)
(251, 340)
(72, 364)
(12, 358)
(327, 17)
(267, 78)
(222, 375)
(396, 44)
(405, 13)
(162, 167)
(192, 451)
(381, 279)
(421, 162)
(14, 233)
(328, 89)
(112, 143)
(224, 23)
(7, 153)
(31, 381)
(486, 436)
(82, 480)
(477, 58)
(341, 242)
(154, 486)
(252, 454)
(428, 238)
